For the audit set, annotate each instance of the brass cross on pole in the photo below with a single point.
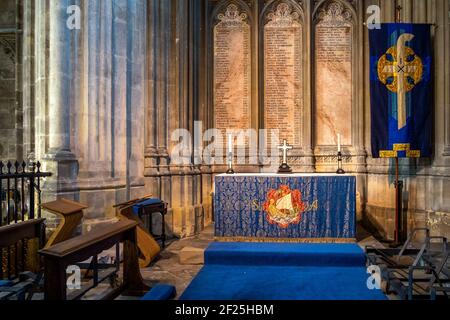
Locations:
(398, 13)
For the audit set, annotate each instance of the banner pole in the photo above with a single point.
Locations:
(398, 192)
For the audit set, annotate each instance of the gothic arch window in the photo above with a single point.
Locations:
(334, 43)
(282, 39)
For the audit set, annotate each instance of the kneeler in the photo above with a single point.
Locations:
(148, 247)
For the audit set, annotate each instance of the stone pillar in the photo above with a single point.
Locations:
(41, 72)
(121, 19)
(388, 10)
(407, 10)
(165, 89)
(59, 158)
(179, 106)
(166, 66)
(136, 98)
(202, 112)
(28, 79)
(447, 75)
(440, 38)
(307, 136)
(94, 114)
(420, 11)
(153, 45)
(19, 151)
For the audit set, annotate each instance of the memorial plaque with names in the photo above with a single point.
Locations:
(334, 90)
(232, 70)
(283, 74)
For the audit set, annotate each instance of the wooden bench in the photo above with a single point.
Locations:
(60, 256)
(13, 233)
(16, 237)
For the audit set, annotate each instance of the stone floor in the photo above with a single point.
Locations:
(168, 269)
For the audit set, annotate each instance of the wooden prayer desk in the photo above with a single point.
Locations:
(135, 210)
(148, 209)
(58, 257)
(71, 213)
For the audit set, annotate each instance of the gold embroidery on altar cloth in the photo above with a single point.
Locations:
(285, 240)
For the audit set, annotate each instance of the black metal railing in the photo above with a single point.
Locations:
(20, 189)
(20, 197)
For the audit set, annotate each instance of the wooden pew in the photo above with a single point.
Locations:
(28, 234)
(13, 233)
(58, 257)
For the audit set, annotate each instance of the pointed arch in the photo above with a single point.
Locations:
(230, 65)
(335, 71)
(287, 17)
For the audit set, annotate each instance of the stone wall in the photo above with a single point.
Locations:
(102, 101)
(426, 199)
(9, 126)
(100, 105)
(89, 90)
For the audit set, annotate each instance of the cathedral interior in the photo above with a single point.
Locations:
(101, 95)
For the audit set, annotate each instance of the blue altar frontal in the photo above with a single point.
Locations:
(290, 208)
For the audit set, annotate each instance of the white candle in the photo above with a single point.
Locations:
(230, 144)
(339, 143)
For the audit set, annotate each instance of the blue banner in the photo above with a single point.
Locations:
(401, 90)
(295, 208)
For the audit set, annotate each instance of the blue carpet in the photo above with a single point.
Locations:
(274, 271)
(160, 292)
(284, 254)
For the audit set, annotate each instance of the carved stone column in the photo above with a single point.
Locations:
(153, 45)
(165, 86)
(388, 10)
(308, 162)
(183, 176)
(420, 11)
(202, 112)
(447, 68)
(136, 101)
(59, 158)
(28, 79)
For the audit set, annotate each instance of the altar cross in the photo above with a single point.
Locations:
(285, 148)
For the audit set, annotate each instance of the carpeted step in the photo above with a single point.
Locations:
(219, 282)
(284, 254)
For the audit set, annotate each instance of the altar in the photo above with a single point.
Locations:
(286, 208)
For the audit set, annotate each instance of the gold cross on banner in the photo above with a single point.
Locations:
(400, 69)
